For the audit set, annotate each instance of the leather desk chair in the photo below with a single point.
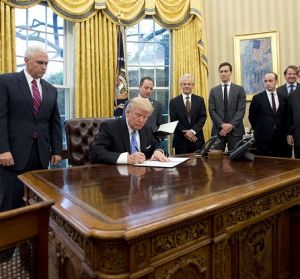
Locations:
(24, 242)
(80, 133)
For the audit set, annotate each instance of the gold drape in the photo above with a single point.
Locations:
(170, 13)
(96, 56)
(188, 57)
(7, 39)
(96, 43)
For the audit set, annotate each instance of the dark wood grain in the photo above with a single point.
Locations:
(140, 215)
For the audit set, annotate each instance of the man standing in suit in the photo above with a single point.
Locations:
(189, 109)
(145, 91)
(290, 87)
(29, 124)
(268, 115)
(127, 140)
(227, 104)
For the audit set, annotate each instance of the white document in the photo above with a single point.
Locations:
(168, 128)
(174, 161)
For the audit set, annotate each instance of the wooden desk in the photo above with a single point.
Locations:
(202, 219)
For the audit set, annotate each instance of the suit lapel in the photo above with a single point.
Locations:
(182, 109)
(124, 134)
(45, 98)
(219, 97)
(267, 102)
(280, 103)
(24, 88)
(231, 93)
(142, 139)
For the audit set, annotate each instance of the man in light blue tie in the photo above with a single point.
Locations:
(128, 140)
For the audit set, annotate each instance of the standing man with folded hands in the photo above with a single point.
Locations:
(227, 104)
(189, 109)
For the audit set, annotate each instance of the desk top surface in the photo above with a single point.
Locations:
(118, 198)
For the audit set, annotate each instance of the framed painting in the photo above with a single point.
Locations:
(255, 55)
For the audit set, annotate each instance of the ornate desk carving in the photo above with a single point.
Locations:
(202, 219)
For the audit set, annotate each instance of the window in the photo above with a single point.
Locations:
(39, 25)
(147, 46)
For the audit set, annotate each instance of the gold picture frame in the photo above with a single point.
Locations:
(255, 55)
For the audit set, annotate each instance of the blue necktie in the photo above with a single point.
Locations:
(133, 143)
(291, 88)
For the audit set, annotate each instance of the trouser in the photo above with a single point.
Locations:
(11, 188)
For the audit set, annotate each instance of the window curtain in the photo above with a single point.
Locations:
(96, 56)
(7, 39)
(96, 43)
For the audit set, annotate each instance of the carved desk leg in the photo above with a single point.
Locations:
(295, 241)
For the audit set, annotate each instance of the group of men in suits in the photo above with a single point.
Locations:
(31, 130)
(274, 116)
(227, 104)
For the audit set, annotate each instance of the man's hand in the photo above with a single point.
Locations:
(290, 140)
(223, 133)
(55, 159)
(227, 127)
(6, 159)
(136, 158)
(159, 156)
(189, 135)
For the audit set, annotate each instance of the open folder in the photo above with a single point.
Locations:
(165, 129)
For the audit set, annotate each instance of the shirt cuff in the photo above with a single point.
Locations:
(123, 158)
(163, 152)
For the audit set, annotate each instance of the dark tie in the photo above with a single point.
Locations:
(133, 143)
(273, 102)
(291, 89)
(188, 104)
(226, 117)
(36, 97)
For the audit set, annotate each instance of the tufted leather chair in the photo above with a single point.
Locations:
(80, 133)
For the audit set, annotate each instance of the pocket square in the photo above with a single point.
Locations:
(148, 146)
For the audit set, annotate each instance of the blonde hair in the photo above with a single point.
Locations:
(139, 103)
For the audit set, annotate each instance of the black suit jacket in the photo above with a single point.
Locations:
(113, 139)
(18, 124)
(263, 120)
(155, 119)
(282, 90)
(197, 120)
(294, 115)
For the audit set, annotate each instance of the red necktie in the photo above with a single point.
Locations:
(36, 97)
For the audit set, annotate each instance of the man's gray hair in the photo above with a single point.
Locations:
(187, 77)
(139, 103)
(34, 49)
